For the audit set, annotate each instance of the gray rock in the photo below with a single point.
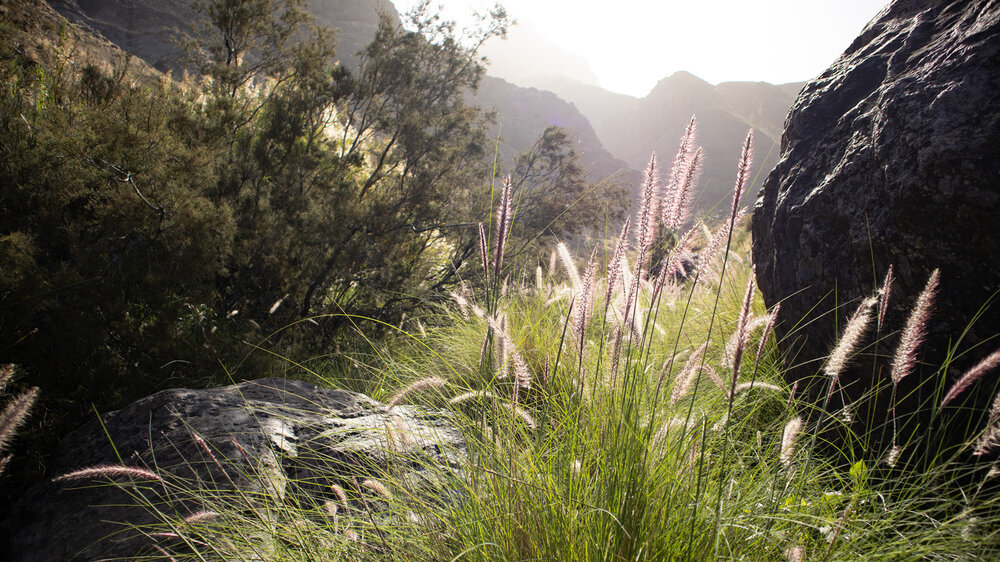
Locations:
(891, 156)
(278, 441)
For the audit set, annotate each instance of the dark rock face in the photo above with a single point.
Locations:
(294, 440)
(891, 157)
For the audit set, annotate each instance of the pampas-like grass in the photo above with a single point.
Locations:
(988, 363)
(915, 331)
(742, 333)
(111, 471)
(647, 211)
(848, 344)
(201, 517)
(791, 431)
(884, 294)
(14, 415)
(569, 265)
(686, 377)
(377, 487)
(746, 386)
(415, 387)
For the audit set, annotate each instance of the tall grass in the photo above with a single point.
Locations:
(638, 415)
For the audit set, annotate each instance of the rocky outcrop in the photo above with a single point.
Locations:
(277, 441)
(891, 157)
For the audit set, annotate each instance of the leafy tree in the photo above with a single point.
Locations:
(553, 194)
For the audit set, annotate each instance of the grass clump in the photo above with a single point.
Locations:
(636, 415)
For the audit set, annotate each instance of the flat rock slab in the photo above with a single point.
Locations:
(263, 443)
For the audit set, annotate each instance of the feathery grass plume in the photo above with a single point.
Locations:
(615, 265)
(111, 471)
(795, 554)
(682, 174)
(522, 374)
(884, 294)
(472, 395)
(989, 363)
(849, 340)
(463, 304)
(745, 386)
(742, 175)
(684, 379)
(988, 441)
(915, 331)
(752, 324)
(791, 396)
(742, 333)
(415, 387)
(505, 214)
(569, 265)
(377, 487)
(483, 254)
(791, 431)
(680, 206)
(682, 158)
(584, 301)
(539, 279)
(715, 378)
(893, 456)
(768, 330)
(331, 509)
(14, 415)
(200, 517)
(647, 212)
(6, 372)
(340, 493)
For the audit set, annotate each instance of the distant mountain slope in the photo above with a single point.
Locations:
(523, 113)
(148, 29)
(633, 128)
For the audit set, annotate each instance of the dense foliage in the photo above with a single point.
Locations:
(160, 233)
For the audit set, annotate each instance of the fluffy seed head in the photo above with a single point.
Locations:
(421, 385)
(686, 376)
(567, 260)
(647, 210)
(792, 429)
(615, 265)
(849, 341)
(377, 487)
(884, 294)
(14, 415)
(915, 331)
(742, 174)
(742, 333)
(989, 363)
(111, 471)
(680, 198)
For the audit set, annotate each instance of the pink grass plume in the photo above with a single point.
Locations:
(916, 330)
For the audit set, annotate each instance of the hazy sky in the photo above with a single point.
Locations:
(632, 44)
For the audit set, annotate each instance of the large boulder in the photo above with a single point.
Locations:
(891, 157)
(277, 442)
